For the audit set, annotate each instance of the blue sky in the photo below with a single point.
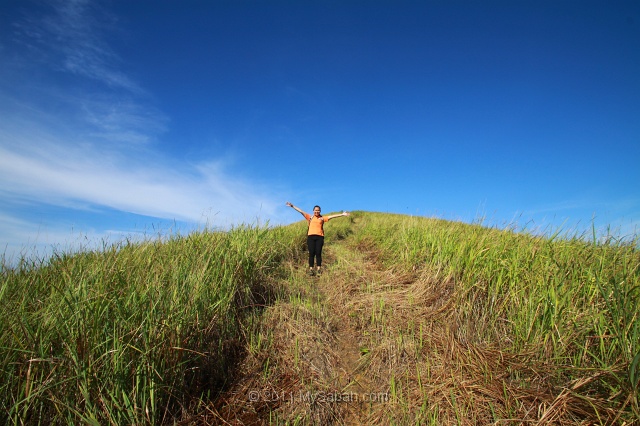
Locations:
(122, 118)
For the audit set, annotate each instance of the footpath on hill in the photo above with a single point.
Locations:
(308, 366)
(367, 344)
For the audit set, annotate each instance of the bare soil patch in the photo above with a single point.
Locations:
(363, 344)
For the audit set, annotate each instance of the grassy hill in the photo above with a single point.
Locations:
(415, 321)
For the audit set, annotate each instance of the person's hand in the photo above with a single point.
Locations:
(289, 204)
(345, 213)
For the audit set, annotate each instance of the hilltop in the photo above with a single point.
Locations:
(415, 321)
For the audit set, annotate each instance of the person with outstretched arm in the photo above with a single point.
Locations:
(315, 235)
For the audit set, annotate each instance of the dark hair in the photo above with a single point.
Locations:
(314, 207)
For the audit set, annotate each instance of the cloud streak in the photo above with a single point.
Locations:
(64, 175)
(87, 147)
(72, 39)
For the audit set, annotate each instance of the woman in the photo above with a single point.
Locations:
(315, 234)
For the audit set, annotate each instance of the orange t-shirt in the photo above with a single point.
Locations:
(316, 224)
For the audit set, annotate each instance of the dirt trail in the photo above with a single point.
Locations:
(364, 344)
(345, 349)
(313, 368)
(347, 273)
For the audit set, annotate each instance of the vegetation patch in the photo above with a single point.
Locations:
(415, 321)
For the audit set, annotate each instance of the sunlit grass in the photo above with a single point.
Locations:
(454, 323)
(572, 300)
(129, 334)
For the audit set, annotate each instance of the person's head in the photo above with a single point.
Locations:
(316, 210)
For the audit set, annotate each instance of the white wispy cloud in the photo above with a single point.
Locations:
(59, 174)
(90, 146)
(69, 39)
(73, 37)
(122, 120)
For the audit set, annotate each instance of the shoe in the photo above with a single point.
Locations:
(311, 273)
(319, 272)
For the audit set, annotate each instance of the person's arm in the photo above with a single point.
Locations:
(337, 215)
(297, 209)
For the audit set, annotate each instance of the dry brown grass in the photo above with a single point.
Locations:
(379, 346)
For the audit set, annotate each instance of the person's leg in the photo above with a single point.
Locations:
(319, 244)
(311, 246)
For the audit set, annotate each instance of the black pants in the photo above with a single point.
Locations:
(315, 243)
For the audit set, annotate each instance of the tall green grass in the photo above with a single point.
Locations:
(140, 333)
(133, 333)
(575, 302)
